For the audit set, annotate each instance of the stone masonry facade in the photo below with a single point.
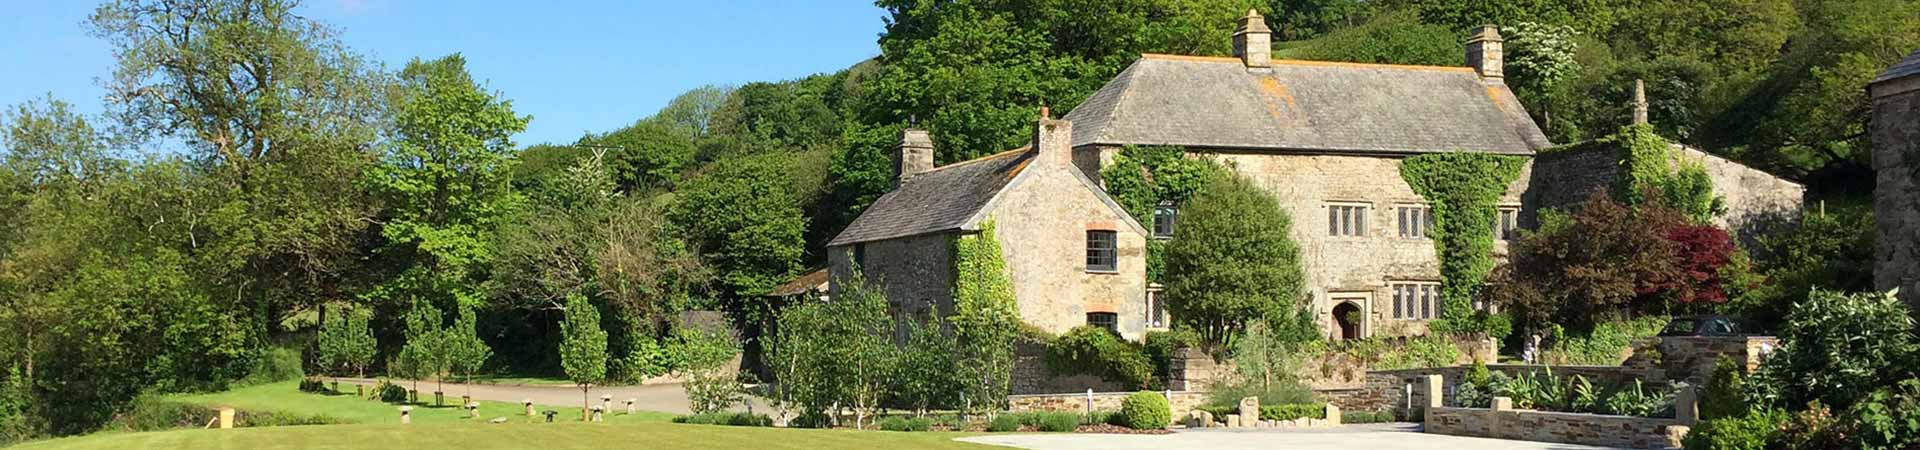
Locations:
(1359, 270)
(1895, 132)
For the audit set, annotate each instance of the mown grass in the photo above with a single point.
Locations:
(286, 398)
(482, 436)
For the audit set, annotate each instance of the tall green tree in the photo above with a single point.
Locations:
(426, 351)
(280, 116)
(444, 179)
(583, 347)
(743, 217)
(1232, 261)
(346, 342)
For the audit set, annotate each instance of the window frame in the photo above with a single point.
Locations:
(1111, 263)
(1422, 215)
(1112, 321)
(1506, 222)
(1156, 309)
(1169, 212)
(1348, 219)
(1416, 300)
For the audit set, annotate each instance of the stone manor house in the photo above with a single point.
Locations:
(1325, 139)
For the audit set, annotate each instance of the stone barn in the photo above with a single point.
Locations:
(1895, 132)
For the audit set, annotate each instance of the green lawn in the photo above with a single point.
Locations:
(479, 436)
(285, 397)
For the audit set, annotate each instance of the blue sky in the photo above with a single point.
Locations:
(575, 66)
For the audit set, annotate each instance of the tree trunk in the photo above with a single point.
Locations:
(585, 402)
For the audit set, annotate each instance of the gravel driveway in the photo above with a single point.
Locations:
(1351, 437)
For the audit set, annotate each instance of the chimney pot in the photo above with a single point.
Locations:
(1485, 53)
(1253, 41)
(913, 155)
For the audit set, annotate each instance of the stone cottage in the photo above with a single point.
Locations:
(1895, 132)
(1326, 139)
(1075, 257)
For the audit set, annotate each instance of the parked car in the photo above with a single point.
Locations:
(1712, 325)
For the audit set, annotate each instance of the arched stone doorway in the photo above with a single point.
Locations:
(1346, 316)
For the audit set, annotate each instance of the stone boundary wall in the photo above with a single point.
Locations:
(1691, 359)
(1194, 370)
(1180, 402)
(1030, 374)
(1556, 427)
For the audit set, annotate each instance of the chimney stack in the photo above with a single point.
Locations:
(912, 156)
(1639, 102)
(1053, 140)
(1485, 53)
(1253, 41)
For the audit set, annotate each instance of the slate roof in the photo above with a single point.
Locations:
(1304, 105)
(1907, 67)
(941, 199)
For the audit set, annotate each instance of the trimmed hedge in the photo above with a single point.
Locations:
(1366, 417)
(1288, 411)
(1146, 411)
(726, 418)
(897, 423)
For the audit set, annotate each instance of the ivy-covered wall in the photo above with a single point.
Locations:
(1464, 190)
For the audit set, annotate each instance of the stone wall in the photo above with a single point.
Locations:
(1194, 370)
(1340, 269)
(1757, 202)
(1180, 402)
(916, 272)
(1895, 132)
(1030, 375)
(1691, 359)
(1556, 427)
(1042, 220)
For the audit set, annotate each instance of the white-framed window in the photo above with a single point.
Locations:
(1156, 309)
(1101, 253)
(1416, 300)
(1164, 216)
(1347, 219)
(1506, 223)
(1414, 220)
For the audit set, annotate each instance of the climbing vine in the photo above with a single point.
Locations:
(1464, 190)
(1141, 177)
(1648, 167)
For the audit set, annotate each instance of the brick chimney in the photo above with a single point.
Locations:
(1639, 102)
(912, 156)
(1484, 53)
(1253, 41)
(1053, 140)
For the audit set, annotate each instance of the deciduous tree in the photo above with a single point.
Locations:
(1231, 261)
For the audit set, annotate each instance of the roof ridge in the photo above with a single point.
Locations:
(1305, 62)
(981, 159)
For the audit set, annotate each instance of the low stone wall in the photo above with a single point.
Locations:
(1180, 402)
(1691, 359)
(1194, 370)
(1556, 427)
(1030, 375)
